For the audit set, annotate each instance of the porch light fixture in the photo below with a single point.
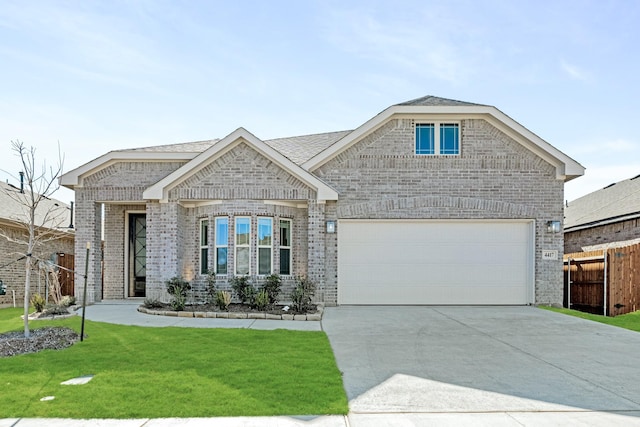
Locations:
(553, 226)
(331, 226)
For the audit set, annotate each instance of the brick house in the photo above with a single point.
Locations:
(13, 232)
(605, 218)
(432, 201)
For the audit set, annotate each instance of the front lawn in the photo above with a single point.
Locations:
(172, 372)
(628, 321)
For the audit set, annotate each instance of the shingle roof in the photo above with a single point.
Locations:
(299, 149)
(615, 202)
(51, 213)
(183, 147)
(434, 101)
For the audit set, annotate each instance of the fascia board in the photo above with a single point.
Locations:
(74, 177)
(159, 190)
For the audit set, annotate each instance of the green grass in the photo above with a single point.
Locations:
(627, 321)
(172, 372)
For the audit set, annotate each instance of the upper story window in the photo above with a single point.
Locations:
(222, 244)
(204, 246)
(438, 138)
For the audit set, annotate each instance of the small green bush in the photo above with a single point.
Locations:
(302, 294)
(223, 299)
(38, 302)
(177, 287)
(244, 290)
(262, 300)
(67, 301)
(55, 309)
(272, 286)
(211, 294)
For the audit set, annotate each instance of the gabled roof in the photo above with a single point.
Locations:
(301, 148)
(614, 203)
(51, 213)
(159, 190)
(566, 167)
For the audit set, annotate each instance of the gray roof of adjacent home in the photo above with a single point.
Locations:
(51, 213)
(614, 203)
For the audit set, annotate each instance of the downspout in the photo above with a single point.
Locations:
(605, 282)
(21, 182)
(71, 221)
(569, 283)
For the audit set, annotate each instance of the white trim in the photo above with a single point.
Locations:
(201, 246)
(198, 203)
(437, 127)
(236, 246)
(259, 246)
(160, 190)
(289, 246)
(74, 177)
(566, 167)
(216, 245)
(287, 203)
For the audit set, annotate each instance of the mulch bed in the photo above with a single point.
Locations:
(235, 308)
(49, 338)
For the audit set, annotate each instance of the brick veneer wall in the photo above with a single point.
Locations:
(575, 241)
(380, 177)
(12, 272)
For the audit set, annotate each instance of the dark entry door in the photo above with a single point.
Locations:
(137, 254)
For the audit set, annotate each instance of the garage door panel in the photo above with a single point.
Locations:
(428, 262)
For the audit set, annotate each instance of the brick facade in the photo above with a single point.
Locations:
(377, 177)
(582, 240)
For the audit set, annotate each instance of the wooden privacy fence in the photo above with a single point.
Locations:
(603, 282)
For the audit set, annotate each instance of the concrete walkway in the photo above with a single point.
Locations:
(415, 366)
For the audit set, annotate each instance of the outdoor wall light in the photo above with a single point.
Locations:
(331, 226)
(553, 226)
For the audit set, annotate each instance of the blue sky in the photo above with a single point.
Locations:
(97, 76)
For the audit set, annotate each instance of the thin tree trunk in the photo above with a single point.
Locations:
(27, 281)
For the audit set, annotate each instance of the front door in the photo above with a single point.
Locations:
(137, 254)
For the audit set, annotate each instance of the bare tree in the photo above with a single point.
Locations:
(42, 220)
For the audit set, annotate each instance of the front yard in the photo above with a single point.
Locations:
(172, 372)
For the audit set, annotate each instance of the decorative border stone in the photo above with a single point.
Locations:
(317, 316)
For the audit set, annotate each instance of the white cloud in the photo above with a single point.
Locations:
(575, 72)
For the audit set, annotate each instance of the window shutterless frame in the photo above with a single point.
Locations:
(204, 246)
(265, 245)
(285, 247)
(221, 244)
(437, 138)
(242, 246)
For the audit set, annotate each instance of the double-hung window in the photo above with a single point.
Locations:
(265, 242)
(285, 246)
(243, 245)
(437, 138)
(222, 244)
(204, 246)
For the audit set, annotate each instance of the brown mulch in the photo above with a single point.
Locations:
(235, 308)
(49, 338)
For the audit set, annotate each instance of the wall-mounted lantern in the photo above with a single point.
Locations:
(331, 226)
(553, 226)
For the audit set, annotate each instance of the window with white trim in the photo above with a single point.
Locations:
(285, 246)
(221, 244)
(265, 242)
(204, 246)
(437, 138)
(243, 245)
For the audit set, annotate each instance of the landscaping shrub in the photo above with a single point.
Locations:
(272, 288)
(223, 299)
(38, 302)
(244, 290)
(55, 309)
(152, 303)
(211, 294)
(67, 301)
(302, 294)
(177, 287)
(262, 300)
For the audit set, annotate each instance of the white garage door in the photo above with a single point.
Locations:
(435, 262)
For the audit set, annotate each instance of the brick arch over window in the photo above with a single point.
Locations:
(373, 209)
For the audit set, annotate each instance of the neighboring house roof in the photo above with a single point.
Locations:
(303, 154)
(14, 208)
(614, 203)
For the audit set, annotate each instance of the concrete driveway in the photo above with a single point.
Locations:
(482, 359)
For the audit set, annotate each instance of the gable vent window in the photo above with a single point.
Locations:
(437, 138)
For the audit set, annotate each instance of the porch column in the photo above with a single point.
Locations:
(163, 234)
(316, 248)
(88, 230)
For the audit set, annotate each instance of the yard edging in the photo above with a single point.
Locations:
(317, 316)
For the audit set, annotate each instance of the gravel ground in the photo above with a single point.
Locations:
(14, 343)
